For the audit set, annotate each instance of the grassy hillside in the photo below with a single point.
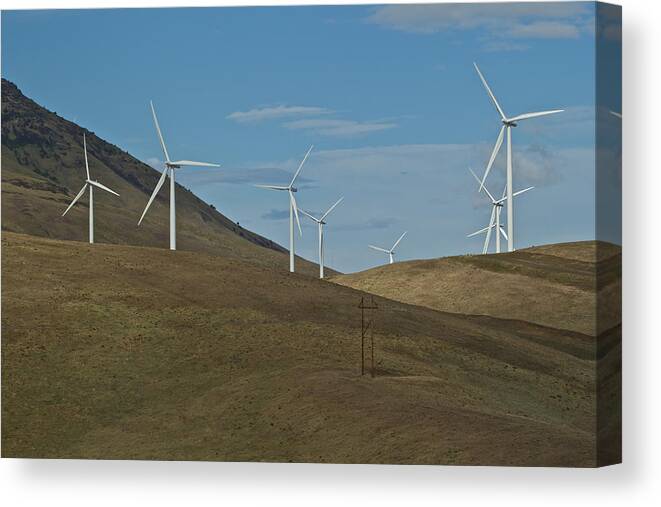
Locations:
(43, 169)
(131, 352)
(553, 285)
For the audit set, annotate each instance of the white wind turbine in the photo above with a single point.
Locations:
(170, 166)
(390, 252)
(494, 221)
(293, 209)
(320, 222)
(507, 124)
(91, 184)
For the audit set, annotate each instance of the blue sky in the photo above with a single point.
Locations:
(386, 94)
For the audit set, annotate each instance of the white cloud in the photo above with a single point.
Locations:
(275, 113)
(503, 45)
(423, 188)
(330, 127)
(496, 22)
(320, 126)
(156, 163)
(545, 30)
(369, 224)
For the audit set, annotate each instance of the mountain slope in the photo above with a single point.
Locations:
(105, 357)
(43, 169)
(552, 285)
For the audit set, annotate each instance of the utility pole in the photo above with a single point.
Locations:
(367, 326)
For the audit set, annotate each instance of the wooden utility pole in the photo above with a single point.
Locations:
(367, 326)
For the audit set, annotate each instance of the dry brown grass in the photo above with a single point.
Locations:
(127, 352)
(552, 285)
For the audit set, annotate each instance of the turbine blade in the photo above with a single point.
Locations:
(493, 97)
(485, 188)
(292, 201)
(158, 130)
(75, 199)
(332, 208)
(619, 115)
(192, 163)
(494, 154)
(153, 194)
(272, 187)
(487, 240)
(484, 229)
(474, 175)
(102, 187)
(309, 216)
(397, 242)
(522, 191)
(504, 198)
(502, 231)
(379, 249)
(87, 167)
(527, 116)
(300, 167)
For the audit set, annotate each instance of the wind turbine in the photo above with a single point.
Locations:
(89, 183)
(321, 223)
(170, 166)
(293, 209)
(507, 124)
(390, 252)
(494, 221)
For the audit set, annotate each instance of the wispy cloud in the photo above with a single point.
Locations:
(311, 119)
(276, 214)
(535, 164)
(247, 175)
(339, 128)
(494, 46)
(156, 163)
(369, 224)
(258, 115)
(495, 22)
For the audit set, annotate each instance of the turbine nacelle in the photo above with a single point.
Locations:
(170, 165)
(293, 208)
(494, 221)
(391, 252)
(507, 123)
(320, 223)
(89, 184)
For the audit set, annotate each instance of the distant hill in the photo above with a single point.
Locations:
(43, 169)
(552, 285)
(127, 352)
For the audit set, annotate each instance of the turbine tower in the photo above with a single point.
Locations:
(507, 124)
(170, 166)
(320, 222)
(494, 221)
(390, 252)
(89, 183)
(293, 209)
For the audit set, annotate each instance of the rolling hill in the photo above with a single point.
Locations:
(552, 285)
(43, 169)
(114, 351)
(126, 350)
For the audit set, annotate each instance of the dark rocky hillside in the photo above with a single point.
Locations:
(43, 169)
